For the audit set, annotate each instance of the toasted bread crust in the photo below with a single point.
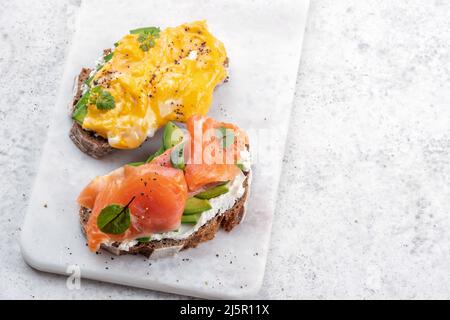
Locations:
(226, 220)
(82, 77)
(87, 141)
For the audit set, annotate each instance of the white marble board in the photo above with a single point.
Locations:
(263, 41)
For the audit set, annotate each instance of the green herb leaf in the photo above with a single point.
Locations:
(144, 239)
(102, 99)
(144, 47)
(226, 137)
(146, 36)
(105, 101)
(114, 219)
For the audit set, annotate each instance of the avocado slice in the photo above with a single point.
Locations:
(196, 205)
(177, 157)
(144, 239)
(80, 109)
(192, 218)
(108, 57)
(213, 192)
(172, 135)
(89, 80)
(136, 164)
(79, 114)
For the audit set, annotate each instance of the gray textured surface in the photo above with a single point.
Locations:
(364, 200)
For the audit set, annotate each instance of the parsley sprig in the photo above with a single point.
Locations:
(101, 98)
(146, 36)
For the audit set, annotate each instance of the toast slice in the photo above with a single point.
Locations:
(168, 247)
(87, 141)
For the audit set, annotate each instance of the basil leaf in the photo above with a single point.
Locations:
(144, 239)
(114, 219)
(226, 137)
(142, 37)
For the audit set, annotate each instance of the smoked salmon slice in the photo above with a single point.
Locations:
(211, 158)
(158, 197)
(89, 194)
(163, 159)
(155, 193)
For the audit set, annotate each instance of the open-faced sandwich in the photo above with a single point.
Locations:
(196, 183)
(150, 77)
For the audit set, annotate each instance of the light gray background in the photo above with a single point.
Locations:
(364, 200)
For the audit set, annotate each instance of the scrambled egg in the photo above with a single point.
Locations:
(171, 80)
